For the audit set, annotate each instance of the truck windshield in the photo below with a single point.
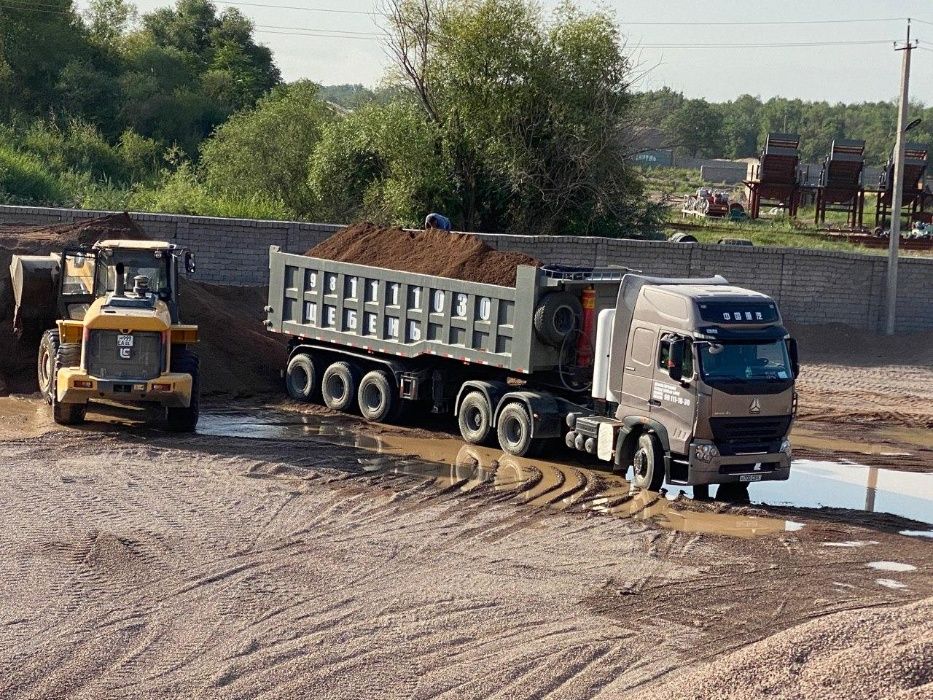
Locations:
(744, 361)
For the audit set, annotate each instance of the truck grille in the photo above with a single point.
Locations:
(103, 360)
(747, 435)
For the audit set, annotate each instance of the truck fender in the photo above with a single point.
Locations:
(632, 427)
(493, 391)
(547, 418)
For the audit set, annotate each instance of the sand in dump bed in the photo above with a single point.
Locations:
(237, 356)
(429, 252)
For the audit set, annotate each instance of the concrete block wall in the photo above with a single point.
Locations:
(811, 286)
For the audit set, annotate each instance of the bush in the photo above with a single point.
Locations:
(24, 179)
(180, 192)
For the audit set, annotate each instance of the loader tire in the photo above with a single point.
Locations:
(558, 315)
(67, 355)
(45, 365)
(185, 419)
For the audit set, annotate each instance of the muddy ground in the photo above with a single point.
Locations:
(135, 563)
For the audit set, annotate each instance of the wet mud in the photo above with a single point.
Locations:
(454, 466)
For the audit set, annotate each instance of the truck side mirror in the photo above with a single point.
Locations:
(675, 362)
(794, 356)
(190, 267)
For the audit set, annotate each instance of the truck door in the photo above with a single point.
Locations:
(639, 369)
(673, 401)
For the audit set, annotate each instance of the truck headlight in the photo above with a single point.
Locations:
(785, 447)
(706, 453)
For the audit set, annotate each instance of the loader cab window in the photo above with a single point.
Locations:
(78, 274)
(135, 263)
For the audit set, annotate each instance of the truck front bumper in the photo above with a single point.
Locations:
(725, 469)
(170, 390)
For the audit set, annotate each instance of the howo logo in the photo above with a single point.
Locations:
(755, 407)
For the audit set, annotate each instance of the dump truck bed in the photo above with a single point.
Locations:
(413, 315)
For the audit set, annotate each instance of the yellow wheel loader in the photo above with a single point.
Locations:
(117, 335)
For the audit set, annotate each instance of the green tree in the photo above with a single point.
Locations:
(265, 150)
(695, 129)
(381, 163)
(532, 114)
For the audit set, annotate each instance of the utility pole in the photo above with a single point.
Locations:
(897, 194)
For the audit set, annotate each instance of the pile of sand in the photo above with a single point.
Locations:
(237, 356)
(431, 252)
(880, 653)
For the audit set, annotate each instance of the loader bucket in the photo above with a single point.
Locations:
(34, 290)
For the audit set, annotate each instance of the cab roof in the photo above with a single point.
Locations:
(710, 292)
(134, 245)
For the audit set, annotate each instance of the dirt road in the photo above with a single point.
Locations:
(140, 564)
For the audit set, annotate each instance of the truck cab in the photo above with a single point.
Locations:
(693, 383)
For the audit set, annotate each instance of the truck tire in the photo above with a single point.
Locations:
(648, 463)
(514, 430)
(185, 419)
(67, 355)
(475, 418)
(558, 315)
(377, 396)
(338, 386)
(302, 378)
(45, 365)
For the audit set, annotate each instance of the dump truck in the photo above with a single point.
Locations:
(110, 314)
(683, 381)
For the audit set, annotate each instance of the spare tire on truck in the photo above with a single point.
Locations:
(558, 315)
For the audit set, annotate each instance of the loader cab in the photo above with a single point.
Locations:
(120, 268)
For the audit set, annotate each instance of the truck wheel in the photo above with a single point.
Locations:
(302, 378)
(475, 418)
(68, 413)
(181, 419)
(67, 355)
(377, 397)
(514, 430)
(339, 386)
(45, 367)
(557, 316)
(648, 463)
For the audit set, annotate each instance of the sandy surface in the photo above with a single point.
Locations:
(148, 565)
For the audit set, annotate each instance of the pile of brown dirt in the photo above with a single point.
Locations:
(237, 356)
(878, 653)
(430, 252)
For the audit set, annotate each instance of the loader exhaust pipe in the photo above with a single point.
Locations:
(119, 287)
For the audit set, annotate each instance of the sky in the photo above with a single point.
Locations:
(663, 38)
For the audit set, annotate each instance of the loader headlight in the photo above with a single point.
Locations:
(785, 447)
(706, 453)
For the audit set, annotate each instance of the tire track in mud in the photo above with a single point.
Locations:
(275, 574)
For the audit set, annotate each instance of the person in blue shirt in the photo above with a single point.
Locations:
(438, 221)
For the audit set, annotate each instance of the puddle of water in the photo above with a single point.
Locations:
(817, 484)
(850, 543)
(890, 583)
(891, 566)
(917, 533)
(451, 464)
(536, 482)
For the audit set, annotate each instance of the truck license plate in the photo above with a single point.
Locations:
(749, 477)
(124, 341)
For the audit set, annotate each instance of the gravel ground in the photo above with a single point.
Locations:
(147, 565)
